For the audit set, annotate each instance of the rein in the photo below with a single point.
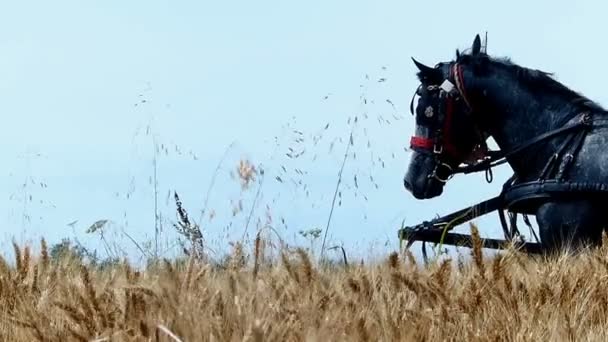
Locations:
(500, 157)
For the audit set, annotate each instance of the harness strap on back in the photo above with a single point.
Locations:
(525, 197)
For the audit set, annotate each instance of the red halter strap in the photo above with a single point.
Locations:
(459, 80)
(421, 142)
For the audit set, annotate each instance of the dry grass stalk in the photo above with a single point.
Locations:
(256, 254)
(520, 298)
(18, 260)
(393, 261)
(477, 252)
(44, 255)
(168, 333)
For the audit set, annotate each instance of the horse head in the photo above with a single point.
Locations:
(446, 134)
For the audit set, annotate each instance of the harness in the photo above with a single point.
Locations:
(515, 197)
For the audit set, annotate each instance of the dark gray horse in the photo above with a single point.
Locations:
(554, 139)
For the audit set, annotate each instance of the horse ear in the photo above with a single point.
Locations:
(457, 54)
(427, 73)
(476, 45)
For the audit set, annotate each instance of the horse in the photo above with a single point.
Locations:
(554, 139)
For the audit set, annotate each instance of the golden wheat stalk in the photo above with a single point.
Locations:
(168, 333)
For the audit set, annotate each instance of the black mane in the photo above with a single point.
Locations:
(535, 80)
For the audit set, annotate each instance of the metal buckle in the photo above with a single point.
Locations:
(434, 174)
(586, 119)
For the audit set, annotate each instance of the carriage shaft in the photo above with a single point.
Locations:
(456, 239)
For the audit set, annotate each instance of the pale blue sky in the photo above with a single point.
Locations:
(72, 72)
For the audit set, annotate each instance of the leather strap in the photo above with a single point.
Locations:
(500, 157)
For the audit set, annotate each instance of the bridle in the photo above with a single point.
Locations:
(440, 143)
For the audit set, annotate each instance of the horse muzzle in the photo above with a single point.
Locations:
(421, 179)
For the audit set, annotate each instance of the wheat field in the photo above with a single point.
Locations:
(509, 297)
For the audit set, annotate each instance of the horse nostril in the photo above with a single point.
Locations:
(407, 184)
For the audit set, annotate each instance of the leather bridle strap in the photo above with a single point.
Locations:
(431, 143)
(421, 142)
(500, 157)
(459, 80)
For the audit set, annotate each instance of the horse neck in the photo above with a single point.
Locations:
(515, 116)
